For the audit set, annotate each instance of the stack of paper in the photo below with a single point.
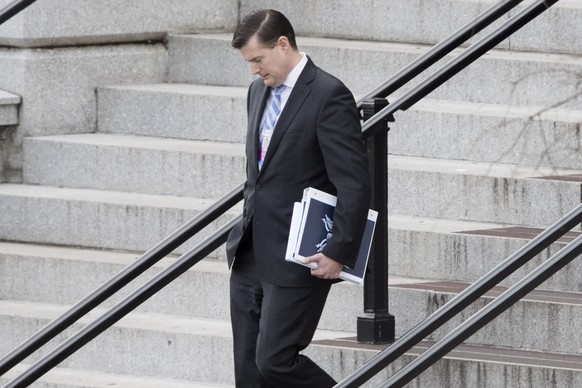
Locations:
(312, 227)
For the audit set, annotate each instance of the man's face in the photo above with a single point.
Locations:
(270, 63)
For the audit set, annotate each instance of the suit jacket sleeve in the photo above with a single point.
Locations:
(344, 153)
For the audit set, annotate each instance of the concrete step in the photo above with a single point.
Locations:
(553, 31)
(141, 164)
(130, 21)
(74, 378)
(9, 103)
(432, 128)
(464, 251)
(479, 366)
(548, 320)
(198, 349)
(430, 249)
(525, 135)
(500, 77)
(484, 192)
(181, 111)
(545, 321)
(191, 348)
(51, 274)
(96, 218)
(58, 86)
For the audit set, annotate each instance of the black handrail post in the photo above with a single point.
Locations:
(377, 326)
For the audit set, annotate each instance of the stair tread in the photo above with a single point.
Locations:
(213, 266)
(452, 287)
(97, 379)
(419, 49)
(140, 320)
(426, 105)
(103, 196)
(221, 328)
(149, 142)
(462, 167)
(479, 353)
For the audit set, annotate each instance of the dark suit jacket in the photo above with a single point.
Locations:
(317, 142)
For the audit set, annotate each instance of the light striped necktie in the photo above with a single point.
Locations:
(268, 124)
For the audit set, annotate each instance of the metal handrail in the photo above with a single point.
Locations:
(125, 306)
(468, 56)
(193, 256)
(156, 253)
(486, 314)
(464, 299)
(12, 8)
(131, 272)
(440, 50)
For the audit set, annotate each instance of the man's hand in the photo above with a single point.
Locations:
(326, 268)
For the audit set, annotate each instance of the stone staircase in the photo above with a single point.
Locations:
(125, 133)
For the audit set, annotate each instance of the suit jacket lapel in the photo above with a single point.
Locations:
(298, 95)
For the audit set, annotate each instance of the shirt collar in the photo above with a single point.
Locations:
(296, 72)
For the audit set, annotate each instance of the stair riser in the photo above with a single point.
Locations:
(192, 356)
(407, 21)
(196, 293)
(136, 169)
(92, 224)
(173, 115)
(526, 140)
(466, 258)
(534, 202)
(531, 325)
(495, 79)
(130, 21)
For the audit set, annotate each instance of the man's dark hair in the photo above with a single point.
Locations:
(268, 25)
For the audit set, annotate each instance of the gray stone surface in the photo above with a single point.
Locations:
(75, 22)
(139, 164)
(58, 85)
(436, 249)
(8, 109)
(95, 218)
(74, 378)
(168, 347)
(555, 31)
(198, 349)
(529, 324)
(500, 77)
(482, 192)
(489, 133)
(174, 110)
(550, 324)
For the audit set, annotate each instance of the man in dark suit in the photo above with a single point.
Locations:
(306, 133)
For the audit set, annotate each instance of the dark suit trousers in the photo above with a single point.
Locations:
(271, 325)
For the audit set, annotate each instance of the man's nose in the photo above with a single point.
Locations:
(255, 68)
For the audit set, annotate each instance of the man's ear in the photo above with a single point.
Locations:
(284, 43)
